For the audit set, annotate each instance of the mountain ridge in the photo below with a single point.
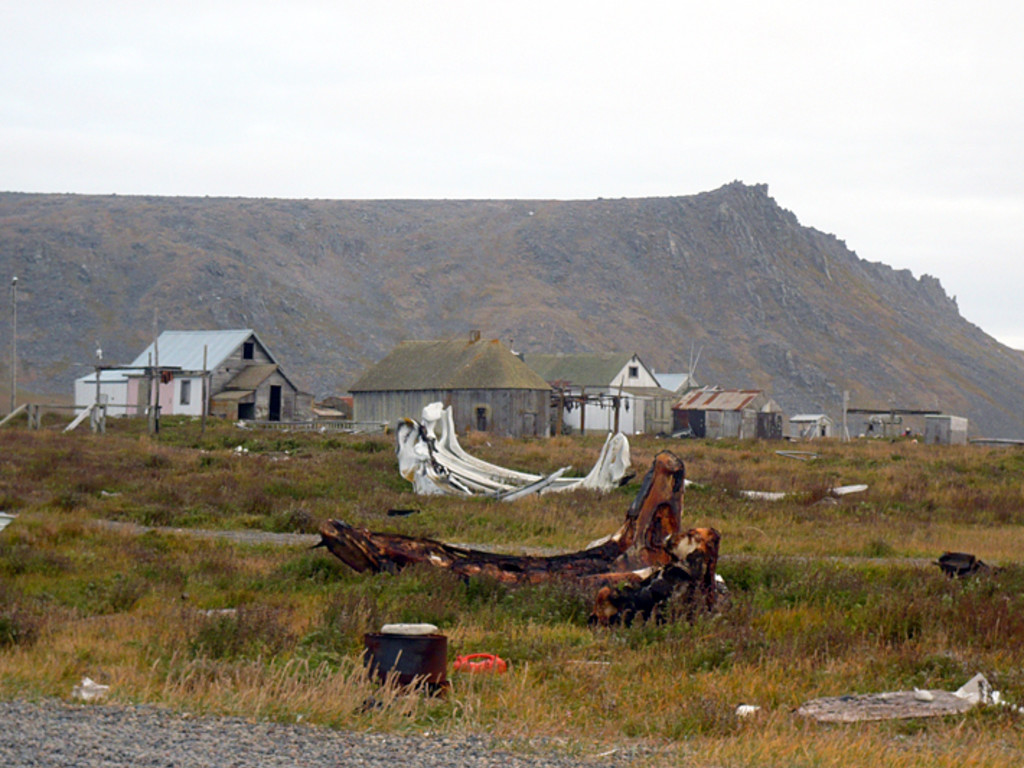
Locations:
(332, 286)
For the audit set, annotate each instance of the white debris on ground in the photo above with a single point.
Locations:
(898, 705)
(89, 690)
(837, 492)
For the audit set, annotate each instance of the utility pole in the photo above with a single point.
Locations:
(14, 342)
(154, 384)
(846, 406)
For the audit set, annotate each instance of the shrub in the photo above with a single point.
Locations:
(342, 624)
(18, 624)
(247, 632)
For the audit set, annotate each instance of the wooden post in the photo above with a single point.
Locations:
(617, 401)
(583, 411)
(94, 421)
(154, 408)
(150, 405)
(202, 428)
(14, 342)
(846, 404)
(561, 412)
(12, 414)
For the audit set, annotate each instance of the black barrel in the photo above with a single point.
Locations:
(408, 658)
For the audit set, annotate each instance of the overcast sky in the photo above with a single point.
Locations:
(897, 126)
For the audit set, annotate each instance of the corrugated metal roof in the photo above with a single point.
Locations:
(595, 370)
(184, 349)
(717, 399)
(458, 364)
(252, 376)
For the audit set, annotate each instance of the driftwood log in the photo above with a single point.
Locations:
(633, 572)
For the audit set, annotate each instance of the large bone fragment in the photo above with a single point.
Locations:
(431, 458)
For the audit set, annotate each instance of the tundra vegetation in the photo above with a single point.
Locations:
(825, 597)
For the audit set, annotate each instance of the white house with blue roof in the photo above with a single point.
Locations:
(243, 379)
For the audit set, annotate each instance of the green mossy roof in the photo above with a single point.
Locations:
(460, 364)
(595, 370)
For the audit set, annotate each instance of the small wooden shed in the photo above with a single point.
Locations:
(741, 413)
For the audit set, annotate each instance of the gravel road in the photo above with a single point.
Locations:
(55, 733)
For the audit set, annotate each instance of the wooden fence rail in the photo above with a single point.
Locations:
(333, 425)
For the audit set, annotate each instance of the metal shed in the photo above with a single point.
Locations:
(742, 413)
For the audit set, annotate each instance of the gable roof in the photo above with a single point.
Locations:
(676, 381)
(184, 349)
(458, 364)
(251, 376)
(596, 370)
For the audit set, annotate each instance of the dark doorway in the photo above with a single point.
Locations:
(481, 418)
(769, 426)
(246, 411)
(529, 424)
(275, 403)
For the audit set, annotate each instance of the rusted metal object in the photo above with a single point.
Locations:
(650, 539)
(961, 564)
(408, 659)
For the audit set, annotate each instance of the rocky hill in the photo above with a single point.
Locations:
(331, 286)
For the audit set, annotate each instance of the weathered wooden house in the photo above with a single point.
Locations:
(741, 413)
(605, 392)
(808, 426)
(240, 378)
(488, 387)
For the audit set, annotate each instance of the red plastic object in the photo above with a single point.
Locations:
(481, 662)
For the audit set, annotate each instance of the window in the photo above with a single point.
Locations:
(634, 371)
(185, 394)
(248, 350)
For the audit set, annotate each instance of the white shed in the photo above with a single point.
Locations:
(945, 430)
(113, 391)
(808, 426)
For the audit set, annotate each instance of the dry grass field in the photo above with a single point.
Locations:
(826, 597)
